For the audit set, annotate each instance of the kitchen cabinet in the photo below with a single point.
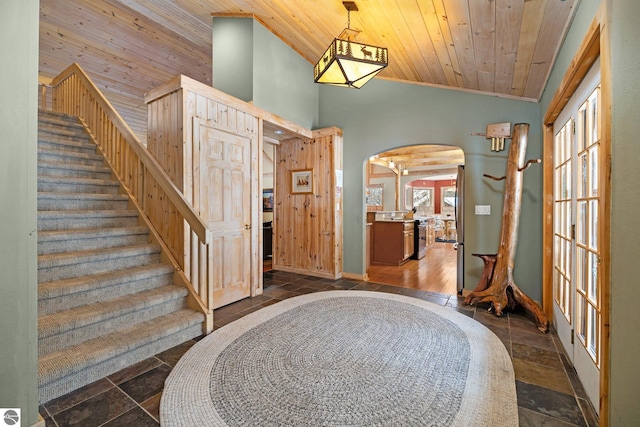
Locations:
(431, 232)
(408, 236)
(392, 242)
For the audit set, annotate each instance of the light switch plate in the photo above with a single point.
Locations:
(483, 209)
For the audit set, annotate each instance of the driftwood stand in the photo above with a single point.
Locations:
(496, 284)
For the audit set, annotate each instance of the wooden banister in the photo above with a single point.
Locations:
(176, 196)
(44, 82)
(165, 208)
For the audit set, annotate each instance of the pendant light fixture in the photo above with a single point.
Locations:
(347, 63)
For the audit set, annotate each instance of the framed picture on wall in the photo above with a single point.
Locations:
(267, 200)
(302, 181)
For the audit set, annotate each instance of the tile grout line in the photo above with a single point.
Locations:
(557, 343)
(249, 308)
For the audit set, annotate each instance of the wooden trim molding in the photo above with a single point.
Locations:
(183, 82)
(578, 68)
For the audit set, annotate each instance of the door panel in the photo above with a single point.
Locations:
(224, 201)
(577, 231)
(563, 256)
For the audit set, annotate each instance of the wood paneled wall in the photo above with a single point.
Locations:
(308, 227)
(172, 110)
(175, 108)
(126, 47)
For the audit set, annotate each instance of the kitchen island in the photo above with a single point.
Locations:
(392, 241)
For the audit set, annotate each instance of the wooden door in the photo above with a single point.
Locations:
(224, 202)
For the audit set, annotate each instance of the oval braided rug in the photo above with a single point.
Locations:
(344, 358)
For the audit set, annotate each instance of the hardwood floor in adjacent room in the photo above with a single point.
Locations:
(436, 272)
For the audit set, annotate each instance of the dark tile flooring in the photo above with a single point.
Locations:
(549, 393)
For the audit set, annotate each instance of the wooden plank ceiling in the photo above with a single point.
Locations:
(501, 47)
(418, 160)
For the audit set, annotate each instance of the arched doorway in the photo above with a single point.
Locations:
(412, 196)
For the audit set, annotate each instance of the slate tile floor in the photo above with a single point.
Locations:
(549, 393)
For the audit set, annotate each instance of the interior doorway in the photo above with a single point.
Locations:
(413, 215)
(268, 202)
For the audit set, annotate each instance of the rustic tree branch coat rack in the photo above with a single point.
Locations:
(497, 285)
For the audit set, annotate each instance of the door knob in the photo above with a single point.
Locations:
(247, 226)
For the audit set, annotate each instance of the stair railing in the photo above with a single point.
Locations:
(165, 207)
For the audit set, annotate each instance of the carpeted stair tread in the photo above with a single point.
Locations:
(57, 235)
(108, 353)
(57, 201)
(48, 116)
(70, 146)
(69, 140)
(81, 213)
(51, 164)
(91, 314)
(57, 241)
(73, 264)
(85, 196)
(69, 288)
(73, 220)
(67, 265)
(75, 217)
(45, 182)
(70, 258)
(53, 168)
(63, 157)
(112, 344)
(62, 129)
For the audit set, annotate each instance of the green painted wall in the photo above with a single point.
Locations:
(283, 80)
(232, 59)
(18, 253)
(625, 269)
(251, 63)
(385, 115)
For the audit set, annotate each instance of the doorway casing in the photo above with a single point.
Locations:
(594, 45)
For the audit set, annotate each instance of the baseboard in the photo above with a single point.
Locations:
(354, 276)
(41, 422)
(308, 272)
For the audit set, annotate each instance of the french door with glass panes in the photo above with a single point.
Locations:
(578, 207)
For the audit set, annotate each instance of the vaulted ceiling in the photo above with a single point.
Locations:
(501, 47)
(506, 47)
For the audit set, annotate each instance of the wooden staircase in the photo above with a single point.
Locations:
(105, 298)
